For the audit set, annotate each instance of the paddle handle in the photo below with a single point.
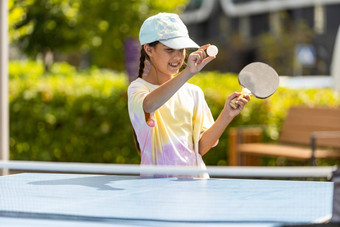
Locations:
(233, 103)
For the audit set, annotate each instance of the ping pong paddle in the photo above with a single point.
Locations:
(258, 79)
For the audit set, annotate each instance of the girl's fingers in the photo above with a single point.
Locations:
(233, 95)
(243, 100)
(201, 55)
(198, 59)
(246, 96)
(204, 47)
(208, 59)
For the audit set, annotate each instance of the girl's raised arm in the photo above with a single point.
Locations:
(196, 61)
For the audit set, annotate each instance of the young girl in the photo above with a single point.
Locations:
(171, 119)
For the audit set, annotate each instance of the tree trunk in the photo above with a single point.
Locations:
(48, 59)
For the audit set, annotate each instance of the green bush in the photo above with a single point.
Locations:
(82, 116)
(70, 117)
(268, 113)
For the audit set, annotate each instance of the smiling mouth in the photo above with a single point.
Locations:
(175, 65)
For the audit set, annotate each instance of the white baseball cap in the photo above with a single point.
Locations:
(167, 28)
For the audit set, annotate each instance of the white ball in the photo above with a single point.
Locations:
(212, 50)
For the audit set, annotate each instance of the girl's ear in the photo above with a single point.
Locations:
(147, 49)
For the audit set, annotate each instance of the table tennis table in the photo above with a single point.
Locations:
(59, 199)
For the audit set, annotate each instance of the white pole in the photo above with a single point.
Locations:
(225, 171)
(335, 66)
(4, 115)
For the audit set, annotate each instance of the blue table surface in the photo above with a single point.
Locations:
(42, 199)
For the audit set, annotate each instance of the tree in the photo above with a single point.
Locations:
(113, 22)
(45, 27)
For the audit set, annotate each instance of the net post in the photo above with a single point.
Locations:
(313, 148)
(336, 197)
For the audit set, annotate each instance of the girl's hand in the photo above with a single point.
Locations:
(149, 120)
(198, 59)
(241, 100)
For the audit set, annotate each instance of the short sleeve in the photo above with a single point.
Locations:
(136, 95)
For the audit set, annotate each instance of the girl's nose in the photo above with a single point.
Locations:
(179, 53)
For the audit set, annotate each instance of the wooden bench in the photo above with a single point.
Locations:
(308, 133)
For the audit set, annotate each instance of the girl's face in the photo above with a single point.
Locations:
(165, 59)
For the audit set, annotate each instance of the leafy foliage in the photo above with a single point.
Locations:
(98, 28)
(268, 114)
(68, 115)
(45, 27)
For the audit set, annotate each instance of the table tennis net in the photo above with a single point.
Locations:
(122, 197)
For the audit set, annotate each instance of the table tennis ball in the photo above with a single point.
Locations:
(212, 50)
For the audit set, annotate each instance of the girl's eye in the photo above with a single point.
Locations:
(169, 50)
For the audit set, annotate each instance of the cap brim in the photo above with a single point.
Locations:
(180, 43)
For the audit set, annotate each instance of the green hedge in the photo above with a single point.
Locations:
(268, 113)
(68, 115)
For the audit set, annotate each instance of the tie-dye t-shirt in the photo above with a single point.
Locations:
(179, 125)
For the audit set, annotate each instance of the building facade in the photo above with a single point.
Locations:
(295, 36)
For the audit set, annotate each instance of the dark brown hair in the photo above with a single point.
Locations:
(143, 57)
